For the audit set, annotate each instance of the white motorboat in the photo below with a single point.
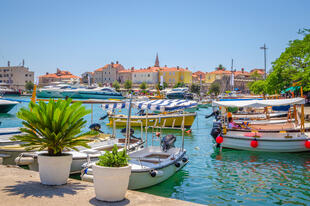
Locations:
(152, 164)
(282, 141)
(83, 155)
(7, 105)
(54, 91)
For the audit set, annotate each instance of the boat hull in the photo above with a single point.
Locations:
(139, 180)
(5, 108)
(170, 121)
(267, 143)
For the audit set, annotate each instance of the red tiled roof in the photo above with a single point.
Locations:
(60, 74)
(107, 65)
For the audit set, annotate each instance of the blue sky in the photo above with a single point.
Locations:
(84, 35)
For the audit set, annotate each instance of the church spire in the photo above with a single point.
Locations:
(156, 61)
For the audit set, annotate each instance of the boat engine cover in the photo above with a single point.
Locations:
(167, 142)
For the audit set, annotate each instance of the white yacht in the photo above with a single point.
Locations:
(54, 91)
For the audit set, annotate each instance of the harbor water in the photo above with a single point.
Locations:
(228, 178)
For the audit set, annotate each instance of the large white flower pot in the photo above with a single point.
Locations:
(111, 183)
(54, 170)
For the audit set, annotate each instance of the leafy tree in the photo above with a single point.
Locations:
(53, 126)
(116, 85)
(256, 76)
(220, 67)
(128, 84)
(143, 86)
(259, 87)
(165, 85)
(100, 84)
(29, 86)
(179, 84)
(195, 88)
(215, 88)
(292, 65)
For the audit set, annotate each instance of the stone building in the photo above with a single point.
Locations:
(59, 76)
(125, 75)
(16, 77)
(149, 76)
(108, 74)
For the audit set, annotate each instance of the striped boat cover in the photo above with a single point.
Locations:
(154, 105)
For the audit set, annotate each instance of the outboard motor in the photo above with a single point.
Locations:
(123, 131)
(167, 142)
(96, 127)
(216, 130)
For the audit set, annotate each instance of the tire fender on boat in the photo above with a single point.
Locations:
(155, 173)
(177, 164)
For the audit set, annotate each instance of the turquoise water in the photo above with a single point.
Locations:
(230, 178)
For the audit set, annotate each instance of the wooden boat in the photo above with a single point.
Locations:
(169, 119)
(282, 141)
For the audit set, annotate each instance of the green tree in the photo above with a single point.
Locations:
(215, 88)
(100, 84)
(143, 86)
(29, 86)
(195, 88)
(53, 126)
(259, 87)
(220, 67)
(179, 84)
(116, 85)
(292, 65)
(165, 85)
(256, 76)
(128, 84)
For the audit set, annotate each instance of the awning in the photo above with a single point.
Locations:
(154, 105)
(166, 104)
(260, 103)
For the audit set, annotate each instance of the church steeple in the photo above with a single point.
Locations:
(156, 61)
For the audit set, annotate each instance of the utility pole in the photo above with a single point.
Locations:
(264, 48)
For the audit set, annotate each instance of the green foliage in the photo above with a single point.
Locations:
(116, 85)
(113, 158)
(179, 84)
(165, 85)
(53, 126)
(128, 84)
(292, 65)
(195, 88)
(220, 67)
(259, 87)
(100, 84)
(29, 86)
(256, 76)
(143, 86)
(215, 88)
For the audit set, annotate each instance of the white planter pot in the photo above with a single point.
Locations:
(54, 170)
(111, 183)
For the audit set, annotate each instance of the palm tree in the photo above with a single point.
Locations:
(220, 67)
(53, 126)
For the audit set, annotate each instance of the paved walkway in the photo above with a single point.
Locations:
(23, 187)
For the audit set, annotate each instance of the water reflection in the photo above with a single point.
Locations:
(262, 177)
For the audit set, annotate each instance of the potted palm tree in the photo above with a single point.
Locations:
(53, 127)
(111, 175)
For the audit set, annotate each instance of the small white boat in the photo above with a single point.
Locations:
(267, 142)
(6, 105)
(152, 164)
(283, 141)
(82, 156)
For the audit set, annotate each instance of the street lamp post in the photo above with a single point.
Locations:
(264, 48)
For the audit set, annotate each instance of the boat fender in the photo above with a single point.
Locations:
(153, 173)
(307, 144)
(184, 159)
(177, 164)
(88, 178)
(254, 143)
(24, 160)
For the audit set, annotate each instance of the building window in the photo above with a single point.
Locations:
(11, 75)
(148, 75)
(26, 75)
(173, 73)
(169, 73)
